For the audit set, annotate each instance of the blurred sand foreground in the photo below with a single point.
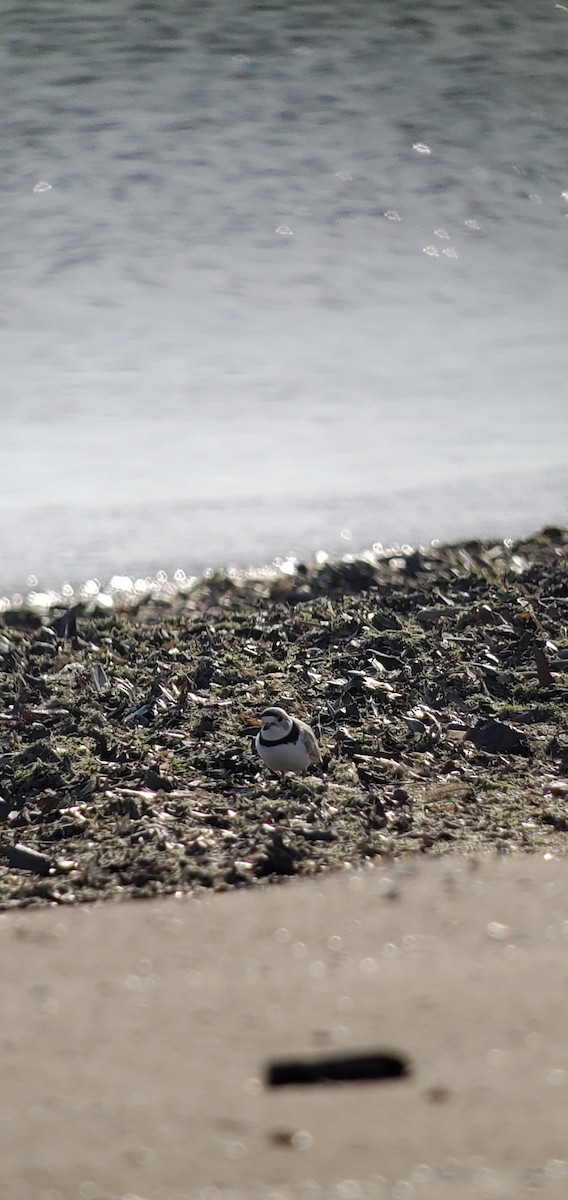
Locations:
(135, 1039)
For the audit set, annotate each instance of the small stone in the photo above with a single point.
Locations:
(400, 795)
(497, 738)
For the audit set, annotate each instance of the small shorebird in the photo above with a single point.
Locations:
(284, 743)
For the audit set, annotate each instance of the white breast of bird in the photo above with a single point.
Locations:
(292, 756)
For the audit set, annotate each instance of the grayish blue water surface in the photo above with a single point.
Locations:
(299, 279)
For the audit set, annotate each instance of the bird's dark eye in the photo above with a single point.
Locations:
(280, 720)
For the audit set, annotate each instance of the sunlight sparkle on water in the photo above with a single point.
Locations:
(121, 583)
(91, 587)
(43, 600)
(286, 565)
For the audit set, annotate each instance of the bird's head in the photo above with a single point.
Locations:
(275, 722)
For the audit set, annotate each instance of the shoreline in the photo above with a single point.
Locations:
(436, 682)
(126, 588)
(57, 544)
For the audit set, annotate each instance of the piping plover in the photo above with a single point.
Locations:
(284, 743)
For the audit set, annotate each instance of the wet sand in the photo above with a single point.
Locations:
(137, 1036)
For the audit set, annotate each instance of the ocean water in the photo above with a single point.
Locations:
(278, 277)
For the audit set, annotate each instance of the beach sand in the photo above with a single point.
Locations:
(137, 1037)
